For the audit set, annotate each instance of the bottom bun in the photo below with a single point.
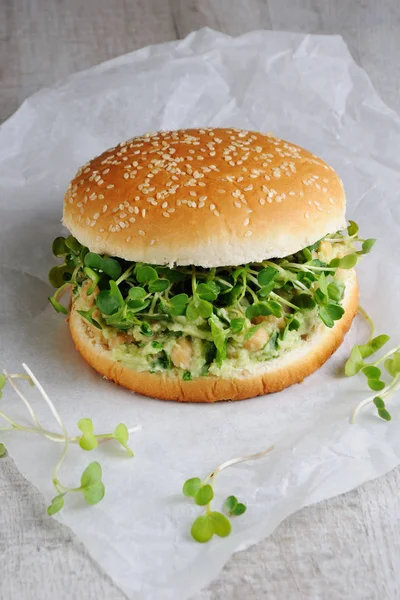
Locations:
(271, 376)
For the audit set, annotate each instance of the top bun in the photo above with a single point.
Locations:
(205, 197)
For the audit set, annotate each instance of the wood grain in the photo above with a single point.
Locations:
(346, 548)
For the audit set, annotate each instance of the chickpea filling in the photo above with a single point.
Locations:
(190, 321)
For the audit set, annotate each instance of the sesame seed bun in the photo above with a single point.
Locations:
(271, 376)
(207, 197)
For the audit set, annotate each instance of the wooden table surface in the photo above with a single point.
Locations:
(345, 548)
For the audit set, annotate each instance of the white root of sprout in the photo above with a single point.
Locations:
(55, 437)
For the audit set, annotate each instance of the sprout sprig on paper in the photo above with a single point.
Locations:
(91, 486)
(356, 363)
(213, 522)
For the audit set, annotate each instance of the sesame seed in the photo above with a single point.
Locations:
(96, 216)
(248, 188)
(262, 201)
(109, 186)
(141, 232)
(126, 176)
(164, 205)
(165, 214)
(203, 198)
(248, 233)
(307, 215)
(237, 204)
(106, 171)
(132, 219)
(246, 222)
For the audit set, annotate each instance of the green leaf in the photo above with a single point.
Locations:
(59, 247)
(3, 382)
(354, 363)
(109, 266)
(109, 301)
(136, 293)
(273, 307)
(73, 244)
(3, 450)
(191, 487)
(229, 298)
(336, 290)
(57, 275)
(373, 345)
(207, 292)
(352, 228)
(157, 345)
(326, 317)
(204, 495)
(202, 529)
(322, 284)
(57, 306)
(146, 274)
(392, 365)
(236, 325)
(239, 509)
(335, 311)
(382, 412)
(218, 333)
(294, 325)
(94, 493)
(187, 376)
(88, 442)
(178, 304)
(376, 385)
(346, 262)
(198, 308)
(87, 314)
(265, 291)
(368, 245)
(121, 434)
(159, 285)
(56, 504)
(371, 372)
(85, 425)
(221, 524)
(91, 475)
(230, 504)
(304, 302)
(379, 403)
(266, 276)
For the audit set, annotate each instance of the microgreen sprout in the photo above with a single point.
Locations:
(202, 492)
(356, 363)
(220, 306)
(91, 485)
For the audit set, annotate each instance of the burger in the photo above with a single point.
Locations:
(207, 264)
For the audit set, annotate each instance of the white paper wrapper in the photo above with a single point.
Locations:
(303, 88)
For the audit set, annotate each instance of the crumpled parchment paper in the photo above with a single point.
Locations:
(306, 89)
